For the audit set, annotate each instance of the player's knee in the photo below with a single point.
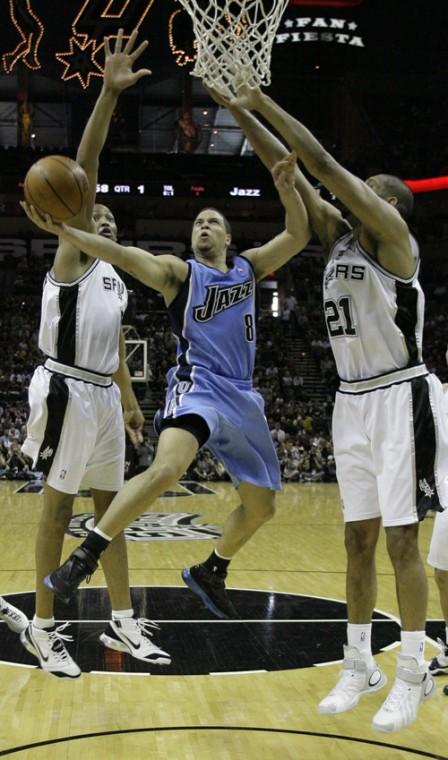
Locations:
(262, 511)
(402, 543)
(163, 475)
(360, 540)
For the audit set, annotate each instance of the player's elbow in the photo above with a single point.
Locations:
(322, 165)
(299, 235)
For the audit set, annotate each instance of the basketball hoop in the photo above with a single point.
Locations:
(231, 34)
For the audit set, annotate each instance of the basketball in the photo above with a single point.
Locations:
(56, 185)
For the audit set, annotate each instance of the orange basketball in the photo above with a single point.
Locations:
(56, 185)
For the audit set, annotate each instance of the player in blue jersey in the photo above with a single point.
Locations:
(210, 399)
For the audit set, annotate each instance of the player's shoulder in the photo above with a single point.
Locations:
(415, 248)
(244, 261)
(343, 236)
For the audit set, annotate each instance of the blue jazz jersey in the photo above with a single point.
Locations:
(213, 319)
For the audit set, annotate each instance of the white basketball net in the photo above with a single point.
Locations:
(231, 34)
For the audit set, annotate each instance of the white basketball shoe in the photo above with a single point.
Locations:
(134, 636)
(357, 677)
(15, 619)
(47, 644)
(412, 686)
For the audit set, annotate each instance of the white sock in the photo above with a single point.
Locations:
(413, 645)
(102, 534)
(360, 636)
(43, 622)
(122, 614)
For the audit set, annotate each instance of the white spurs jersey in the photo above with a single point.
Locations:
(81, 320)
(374, 318)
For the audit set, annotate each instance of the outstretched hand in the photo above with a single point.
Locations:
(283, 173)
(220, 95)
(118, 74)
(246, 95)
(44, 221)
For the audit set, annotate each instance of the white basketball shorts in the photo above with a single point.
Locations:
(438, 549)
(75, 432)
(391, 451)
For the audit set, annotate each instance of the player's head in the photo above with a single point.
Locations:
(211, 234)
(104, 221)
(394, 191)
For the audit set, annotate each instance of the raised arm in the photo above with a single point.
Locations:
(269, 257)
(378, 217)
(163, 273)
(118, 76)
(326, 221)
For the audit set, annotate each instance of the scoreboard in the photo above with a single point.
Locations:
(181, 188)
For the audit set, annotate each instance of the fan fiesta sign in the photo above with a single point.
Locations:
(319, 29)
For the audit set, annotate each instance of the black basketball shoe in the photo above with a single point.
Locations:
(210, 587)
(78, 567)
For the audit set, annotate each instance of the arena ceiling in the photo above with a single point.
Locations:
(54, 51)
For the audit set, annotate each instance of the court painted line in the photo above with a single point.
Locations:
(381, 745)
(19, 664)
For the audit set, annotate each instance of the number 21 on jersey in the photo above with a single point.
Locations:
(339, 317)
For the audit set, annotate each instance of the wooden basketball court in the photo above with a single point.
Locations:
(222, 714)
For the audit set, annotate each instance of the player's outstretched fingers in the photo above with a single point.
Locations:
(130, 43)
(138, 51)
(119, 41)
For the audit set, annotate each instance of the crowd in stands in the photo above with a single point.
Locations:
(299, 420)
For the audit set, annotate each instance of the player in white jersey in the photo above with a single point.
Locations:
(438, 559)
(75, 431)
(210, 392)
(390, 442)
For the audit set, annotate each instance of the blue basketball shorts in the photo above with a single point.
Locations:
(234, 412)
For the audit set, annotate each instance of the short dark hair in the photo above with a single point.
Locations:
(217, 211)
(98, 203)
(392, 185)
